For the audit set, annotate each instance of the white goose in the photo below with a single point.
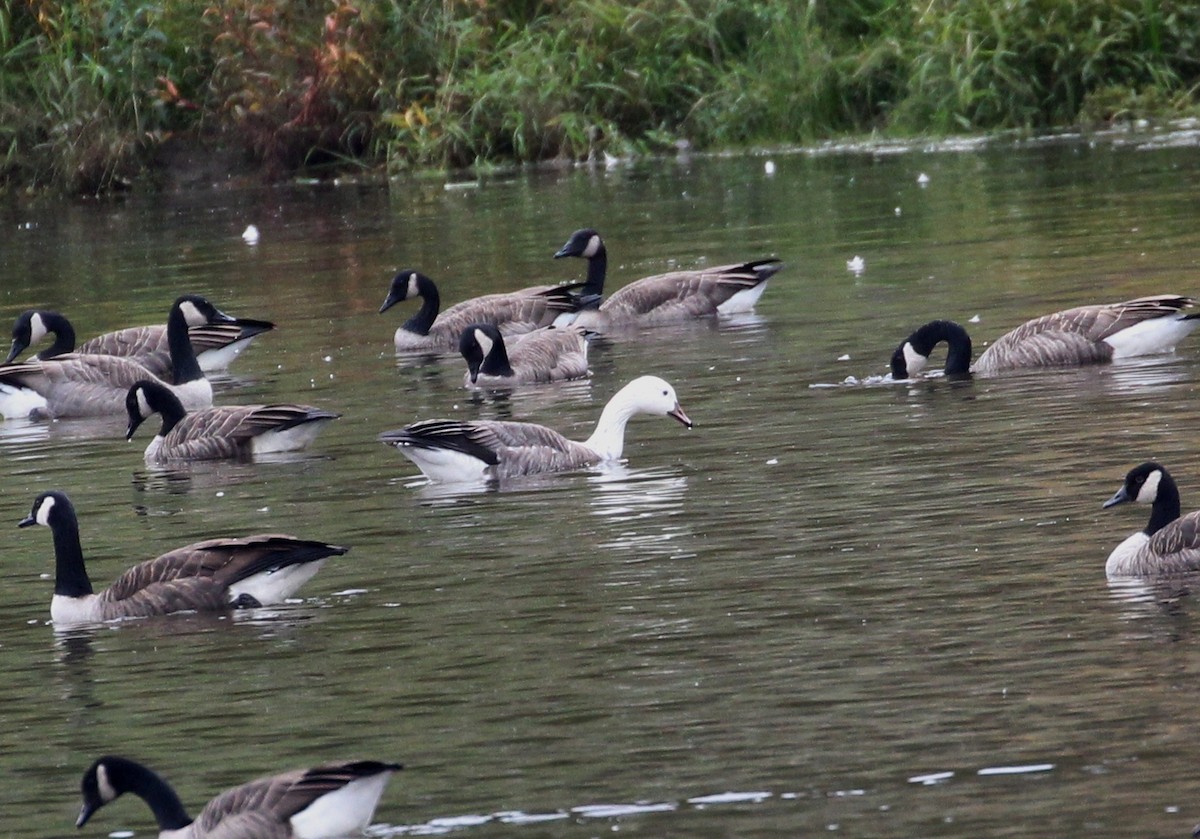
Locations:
(323, 802)
(454, 451)
(1084, 335)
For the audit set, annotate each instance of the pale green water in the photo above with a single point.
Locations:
(766, 626)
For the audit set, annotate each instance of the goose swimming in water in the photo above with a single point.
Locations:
(332, 800)
(455, 451)
(665, 298)
(207, 576)
(1083, 335)
(1170, 543)
(216, 342)
(513, 312)
(552, 354)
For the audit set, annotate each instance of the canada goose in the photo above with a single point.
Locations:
(336, 799)
(1083, 335)
(544, 355)
(1170, 543)
(235, 431)
(78, 385)
(216, 342)
(513, 312)
(665, 298)
(206, 576)
(455, 451)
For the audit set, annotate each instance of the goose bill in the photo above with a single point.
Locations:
(677, 413)
(1120, 497)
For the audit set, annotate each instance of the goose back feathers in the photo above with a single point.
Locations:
(332, 800)
(1170, 543)
(459, 451)
(211, 575)
(544, 355)
(670, 297)
(513, 312)
(1083, 335)
(238, 431)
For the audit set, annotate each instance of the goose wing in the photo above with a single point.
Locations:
(549, 355)
(679, 295)
(1176, 547)
(75, 384)
(513, 312)
(512, 448)
(225, 432)
(148, 344)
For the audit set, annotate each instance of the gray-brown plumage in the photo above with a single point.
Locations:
(323, 802)
(206, 576)
(513, 312)
(1170, 543)
(1084, 335)
(544, 355)
(665, 298)
(225, 432)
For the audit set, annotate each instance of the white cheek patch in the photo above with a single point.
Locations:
(192, 314)
(107, 793)
(43, 511)
(412, 285)
(1149, 490)
(37, 328)
(913, 360)
(593, 247)
(143, 403)
(485, 343)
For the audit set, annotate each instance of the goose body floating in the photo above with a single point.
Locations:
(207, 576)
(234, 431)
(1083, 335)
(544, 355)
(216, 342)
(1170, 543)
(80, 385)
(454, 451)
(665, 298)
(513, 312)
(332, 800)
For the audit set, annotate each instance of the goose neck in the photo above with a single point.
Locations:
(159, 796)
(70, 573)
(431, 304)
(496, 362)
(596, 272)
(608, 439)
(64, 335)
(1166, 506)
(183, 357)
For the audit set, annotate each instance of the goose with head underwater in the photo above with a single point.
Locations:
(665, 298)
(513, 312)
(208, 576)
(1170, 543)
(216, 342)
(551, 354)
(1094, 334)
(454, 451)
(226, 432)
(79, 385)
(322, 802)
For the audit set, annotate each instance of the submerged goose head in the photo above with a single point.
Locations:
(33, 325)
(911, 357)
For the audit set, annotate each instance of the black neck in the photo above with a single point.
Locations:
(64, 335)
(431, 303)
(958, 343)
(169, 408)
(1166, 505)
(597, 270)
(70, 574)
(496, 363)
(157, 793)
(183, 356)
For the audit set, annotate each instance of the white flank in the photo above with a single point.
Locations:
(742, 301)
(446, 466)
(289, 440)
(19, 402)
(221, 357)
(341, 812)
(271, 587)
(1151, 336)
(1121, 559)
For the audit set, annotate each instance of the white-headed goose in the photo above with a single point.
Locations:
(456, 451)
(1083, 335)
(79, 385)
(231, 431)
(1170, 543)
(206, 576)
(216, 342)
(513, 312)
(665, 298)
(336, 799)
(552, 354)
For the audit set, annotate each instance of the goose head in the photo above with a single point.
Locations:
(654, 396)
(477, 343)
(198, 311)
(912, 356)
(49, 508)
(33, 325)
(406, 285)
(110, 777)
(97, 787)
(145, 399)
(1142, 484)
(584, 243)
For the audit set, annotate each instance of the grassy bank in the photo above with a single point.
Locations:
(91, 90)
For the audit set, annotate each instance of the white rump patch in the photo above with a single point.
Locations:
(21, 402)
(1149, 490)
(742, 301)
(446, 466)
(220, 358)
(1157, 335)
(342, 812)
(271, 587)
(288, 440)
